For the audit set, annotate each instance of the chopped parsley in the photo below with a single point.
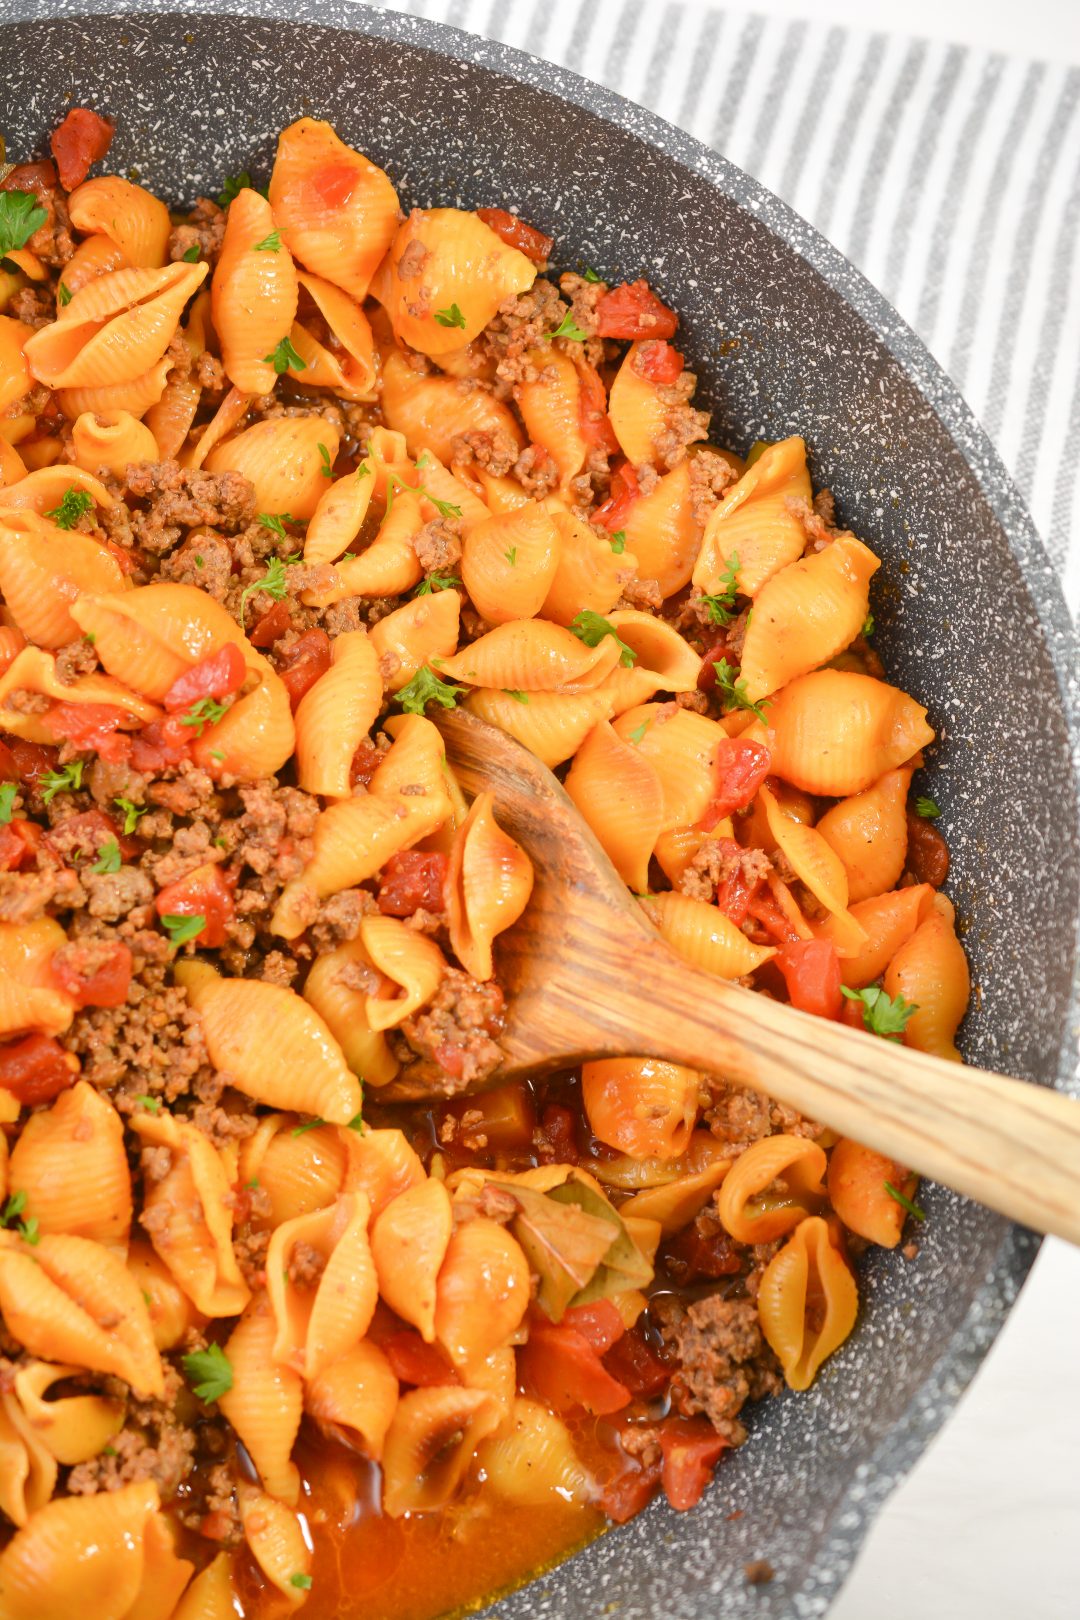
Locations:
(357, 1124)
(518, 697)
(591, 628)
(905, 1202)
(721, 607)
(191, 255)
(12, 1212)
(618, 542)
(567, 328)
(109, 859)
(269, 244)
(20, 216)
(275, 524)
(450, 317)
(301, 1580)
(73, 504)
(181, 929)
(272, 582)
(436, 582)
(426, 687)
(133, 813)
(209, 1372)
(927, 808)
(63, 296)
(591, 275)
(234, 185)
(285, 358)
(206, 712)
(8, 790)
(151, 1104)
(445, 509)
(66, 780)
(511, 556)
(638, 732)
(308, 1125)
(882, 1014)
(324, 457)
(734, 692)
(868, 626)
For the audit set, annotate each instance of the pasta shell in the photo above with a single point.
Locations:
(445, 262)
(640, 1105)
(703, 936)
(417, 633)
(682, 748)
(72, 1428)
(531, 655)
(79, 1554)
(619, 794)
(807, 1302)
(509, 562)
(429, 1446)
(336, 714)
(482, 1291)
(253, 294)
(273, 1044)
(190, 1215)
(281, 457)
(407, 959)
(108, 444)
(771, 1187)
(34, 670)
(44, 569)
(336, 210)
(753, 528)
(836, 733)
(28, 997)
(299, 1169)
(131, 218)
(12, 466)
(339, 516)
(70, 1161)
(73, 1300)
(807, 613)
(552, 408)
(46, 488)
(265, 1403)
(276, 1541)
(164, 1574)
(136, 396)
(888, 921)
(432, 411)
(210, 1595)
(381, 1165)
(859, 1195)
(533, 1463)
(662, 532)
(172, 1313)
(673, 1191)
(931, 972)
(114, 329)
(869, 834)
(15, 377)
(335, 988)
(552, 725)
(814, 863)
(28, 1470)
(318, 1323)
(354, 1401)
(229, 414)
(454, 488)
(409, 1240)
(345, 362)
(589, 574)
(488, 882)
(96, 256)
(388, 566)
(12, 642)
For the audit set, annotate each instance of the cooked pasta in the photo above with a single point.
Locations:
(282, 478)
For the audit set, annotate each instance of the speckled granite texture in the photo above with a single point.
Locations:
(786, 337)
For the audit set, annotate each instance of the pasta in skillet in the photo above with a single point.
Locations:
(281, 480)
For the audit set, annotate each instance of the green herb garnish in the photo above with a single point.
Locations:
(8, 790)
(269, 244)
(66, 780)
(591, 628)
(734, 691)
(20, 216)
(206, 712)
(721, 606)
(109, 859)
(567, 328)
(209, 1372)
(133, 813)
(905, 1202)
(285, 358)
(450, 317)
(426, 687)
(73, 504)
(882, 1014)
(436, 582)
(927, 808)
(181, 929)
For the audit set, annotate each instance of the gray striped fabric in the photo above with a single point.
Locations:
(950, 176)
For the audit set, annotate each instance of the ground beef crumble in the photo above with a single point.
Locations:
(451, 1043)
(723, 1361)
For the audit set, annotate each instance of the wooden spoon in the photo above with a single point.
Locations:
(587, 976)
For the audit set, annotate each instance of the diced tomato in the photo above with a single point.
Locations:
(365, 762)
(415, 1362)
(632, 310)
(301, 664)
(161, 743)
(694, 1253)
(272, 625)
(24, 761)
(451, 1059)
(739, 769)
(557, 1134)
(691, 1449)
(738, 882)
(91, 728)
(97, 974)
(633, 1362)
(927, 851)
(625, 490)
(596, 428)
(764, 910)
(217, 1525)
(217, 675)
(710, 658)
(811, 969)
(81, 837)
(516, 234)
(203, 893)
(19, 841)
(659, 362)
(852, 1013)
(564, 1371)
(599, 1323)
(335, 183)
(123, 558)
(624, 1496)
(82, 139)
(412, 881)
(36, 1069)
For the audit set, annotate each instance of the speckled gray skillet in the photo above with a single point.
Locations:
(787, 337)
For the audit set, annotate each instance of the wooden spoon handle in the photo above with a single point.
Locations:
(1011, 1145)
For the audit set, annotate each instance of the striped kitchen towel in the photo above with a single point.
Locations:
(950, 175)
